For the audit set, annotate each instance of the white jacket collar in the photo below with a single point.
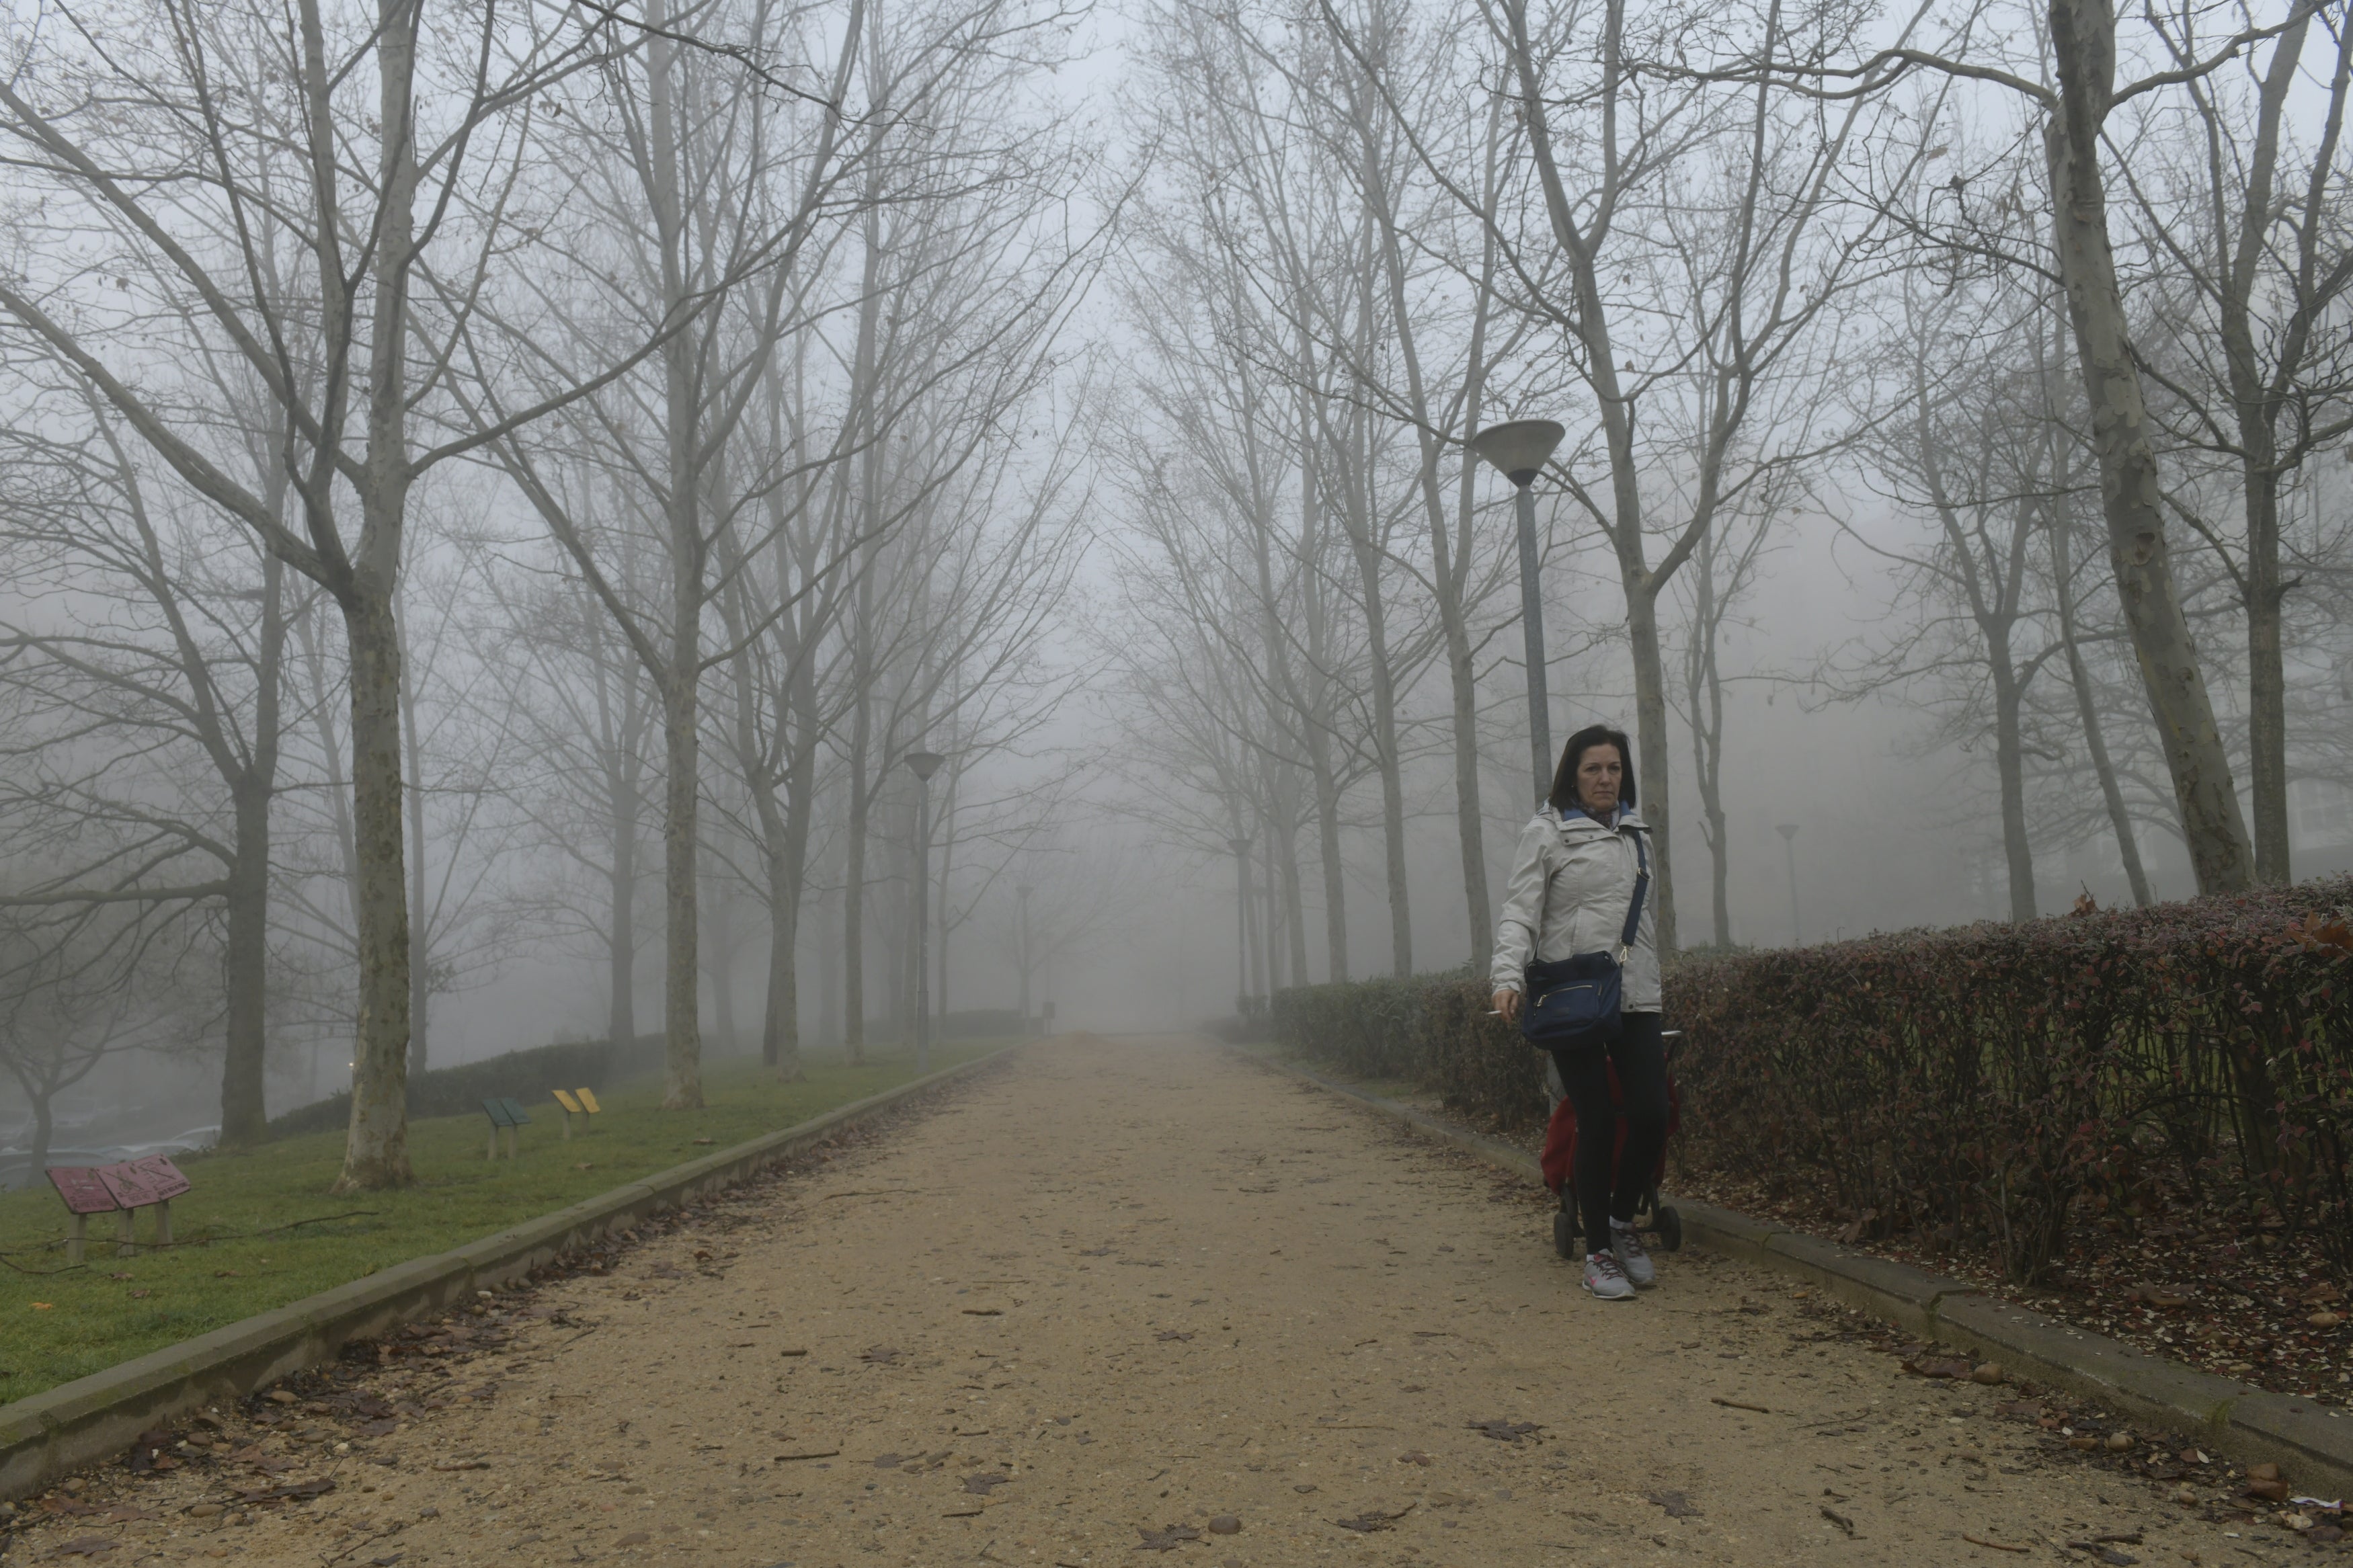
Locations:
(1578, 822)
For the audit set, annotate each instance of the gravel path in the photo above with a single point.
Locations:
(1125, 1294)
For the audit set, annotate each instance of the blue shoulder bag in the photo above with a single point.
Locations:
(1573, 1004)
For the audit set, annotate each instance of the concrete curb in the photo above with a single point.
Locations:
(2311, 1443)
(49, 1435)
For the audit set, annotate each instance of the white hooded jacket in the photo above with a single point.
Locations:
(1571, 881)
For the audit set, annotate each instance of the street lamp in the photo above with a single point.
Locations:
(1519, 449)
(923, 764)
(1788, 832)
(1022, 893)
(1240, 847)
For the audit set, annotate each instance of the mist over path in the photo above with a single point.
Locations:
(1117, 1285)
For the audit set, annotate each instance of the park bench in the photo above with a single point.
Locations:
(579, 1103)
(124, 1189)
(507, 1116)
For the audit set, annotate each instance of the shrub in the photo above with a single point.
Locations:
(527, 1074)
(1977, 1083)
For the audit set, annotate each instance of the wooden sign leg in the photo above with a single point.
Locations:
(76, 1237)
(164, 1222)
(567, 1127)
(125, 1244)
(493, 1152)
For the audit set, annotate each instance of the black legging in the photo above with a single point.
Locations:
(1604, 1194)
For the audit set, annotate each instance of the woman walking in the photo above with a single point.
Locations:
(1573, 879)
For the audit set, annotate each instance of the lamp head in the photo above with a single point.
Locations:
(924, 763)
(1239, 845)
(1518, 446)
(1787, 829)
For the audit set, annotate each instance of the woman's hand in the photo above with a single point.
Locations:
(1507, 1003)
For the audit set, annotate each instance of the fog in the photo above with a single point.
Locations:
(491, 587)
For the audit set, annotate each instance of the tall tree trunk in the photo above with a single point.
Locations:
(1447, 577)
(1703, 691)
(376, 1152)
(420, 964)
(2010, 765)
(1650, 740)
(621, 935)
(244, 1113)
(2087, 709)
(2266, 602)
(683, 973)
(244, 971)
(853, 889)
(2082, 37)
(720, 966)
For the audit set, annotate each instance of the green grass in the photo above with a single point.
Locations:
(58, 1327)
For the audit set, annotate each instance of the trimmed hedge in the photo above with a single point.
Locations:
(1973, 1084)
(533, 1074)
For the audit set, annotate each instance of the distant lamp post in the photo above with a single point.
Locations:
(923, 764)
(1519, 449)
(1240, 847)
(1788, 832)
(1022, 894)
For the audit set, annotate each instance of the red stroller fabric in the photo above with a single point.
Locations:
(1559, 1156)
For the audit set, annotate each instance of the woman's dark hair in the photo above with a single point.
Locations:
(1564, 781)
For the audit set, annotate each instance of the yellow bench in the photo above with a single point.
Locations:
(579, 1103)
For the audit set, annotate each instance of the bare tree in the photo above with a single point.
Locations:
(144, 740)
(2250, 249)
(2073, 97)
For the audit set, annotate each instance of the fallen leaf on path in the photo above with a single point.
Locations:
(463, 1464)
(1373, 1518)
(889, 1462)
(983, 1311)
(635, 1538)
(980, 1484)
(880, 1356)
(297, 1489)
(1839, 1519)
(1166, 1334)
(1677, 1505)
(1740, 1404)
(1167, 1538)
(1505, 1431)
(1938, 1367)
(87, 1546)
(817, 1454)
(1997, 1545)
(1415, 1457)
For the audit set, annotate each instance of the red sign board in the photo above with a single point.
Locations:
(82, 1190)
(135, 1184)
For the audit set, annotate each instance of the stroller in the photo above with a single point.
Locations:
(1559, 1162)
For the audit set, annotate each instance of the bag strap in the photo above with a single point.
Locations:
(1634, 910)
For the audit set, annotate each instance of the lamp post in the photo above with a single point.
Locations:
(1788, 832)
(1022, 894)
(1240, 847)
(923, 764)
(1518, 449)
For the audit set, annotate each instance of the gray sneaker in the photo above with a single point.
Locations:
(1633, 1256)
(1604, 1278)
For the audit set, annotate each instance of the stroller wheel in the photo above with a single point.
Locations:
(1670, 1227)
(1564, 1233)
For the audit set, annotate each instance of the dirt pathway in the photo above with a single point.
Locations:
(1122, 1294)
